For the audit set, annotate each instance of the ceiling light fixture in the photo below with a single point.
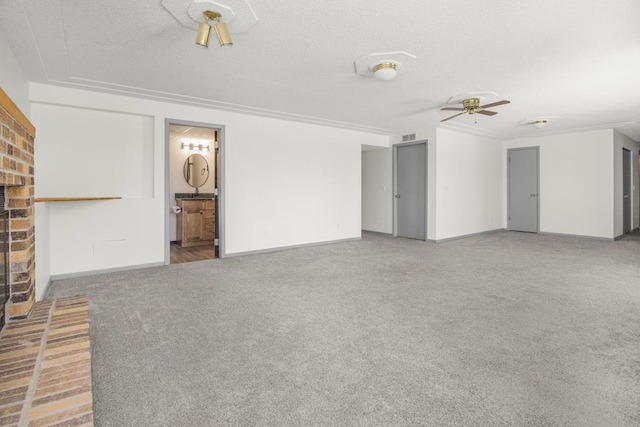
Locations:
(385, 71)
(539, 124)
(384, 66)
(222, 31)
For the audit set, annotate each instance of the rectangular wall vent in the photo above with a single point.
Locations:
(410, 137)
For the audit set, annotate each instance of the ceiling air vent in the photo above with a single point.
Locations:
(410, 137)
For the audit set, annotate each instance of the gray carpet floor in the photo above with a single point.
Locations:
(499, 329)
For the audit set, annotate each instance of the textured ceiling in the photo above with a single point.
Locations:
(579, 60)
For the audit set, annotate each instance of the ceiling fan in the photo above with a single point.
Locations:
(472, 106)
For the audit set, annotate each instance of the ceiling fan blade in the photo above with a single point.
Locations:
(495, 104)
(449, 118)
(487, 113)
(451, 109)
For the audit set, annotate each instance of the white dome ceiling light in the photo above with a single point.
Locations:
(385, 71)
(539, 122)
(383, 66)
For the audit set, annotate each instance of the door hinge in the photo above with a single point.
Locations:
(216, 145)
(216, 242)
(215, 191)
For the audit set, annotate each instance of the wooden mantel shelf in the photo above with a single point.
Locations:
(74, 199)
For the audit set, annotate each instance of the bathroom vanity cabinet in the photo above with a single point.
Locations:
(195, 225)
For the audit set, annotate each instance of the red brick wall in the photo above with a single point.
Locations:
(17, 136)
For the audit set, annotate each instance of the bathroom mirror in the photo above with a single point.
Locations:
(196, 170)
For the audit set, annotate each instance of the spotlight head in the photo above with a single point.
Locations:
(202, 38)
(224, 37)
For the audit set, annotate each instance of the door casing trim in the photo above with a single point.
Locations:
(220, 213)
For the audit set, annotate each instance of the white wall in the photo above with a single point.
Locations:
(291, 183)
(97, 153)
(177, 182)
(621, 141)
(287, 183)
(377, 190)
(468, 184)
(43, 248)
(576, 182)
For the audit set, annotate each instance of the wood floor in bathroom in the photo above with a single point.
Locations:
(194, 253)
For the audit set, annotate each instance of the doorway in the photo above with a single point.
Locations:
(523, 191)
(410, 190)
(194, 222)
(627, 213)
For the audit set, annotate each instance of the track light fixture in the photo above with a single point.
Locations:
(204, 30)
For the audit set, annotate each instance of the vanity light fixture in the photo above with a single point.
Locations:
(222, 31)
(192, 146)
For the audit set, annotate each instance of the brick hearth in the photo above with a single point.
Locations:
(45, 366)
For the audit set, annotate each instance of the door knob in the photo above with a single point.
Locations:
(397, 196)
(533, 194)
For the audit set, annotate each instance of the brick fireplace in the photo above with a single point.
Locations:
(17, 137)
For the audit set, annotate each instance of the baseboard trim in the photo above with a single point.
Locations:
(284, 248)
(103, 271)
(380, 233)
(604, 239)
(46, 288)
(464, 236)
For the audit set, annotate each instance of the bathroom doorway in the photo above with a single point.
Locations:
(193, 182)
